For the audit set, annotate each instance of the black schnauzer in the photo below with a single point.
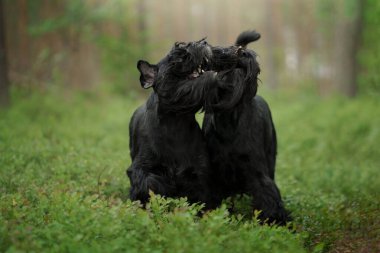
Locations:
(240, 134)
(167, 147)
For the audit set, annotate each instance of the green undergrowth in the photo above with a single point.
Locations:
(63, 186)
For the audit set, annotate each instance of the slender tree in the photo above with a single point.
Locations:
(143, 26)
(271, 40)
(346, 44)
(4, 82)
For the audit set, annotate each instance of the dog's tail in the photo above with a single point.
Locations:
(247, 37)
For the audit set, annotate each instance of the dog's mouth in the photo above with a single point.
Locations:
(197, 72)
(202, 68)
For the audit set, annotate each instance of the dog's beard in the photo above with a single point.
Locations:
(186, 96)
(224, 58)
(235, 84)
(186, 79)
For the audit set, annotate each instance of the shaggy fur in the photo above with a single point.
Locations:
(168, 150)
(240, 135)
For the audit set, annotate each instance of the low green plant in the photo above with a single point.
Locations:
(63, 186)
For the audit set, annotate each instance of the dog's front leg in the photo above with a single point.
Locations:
(144, 180)
(267, 199)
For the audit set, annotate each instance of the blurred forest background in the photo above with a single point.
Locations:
(328, 46)
(68, 72)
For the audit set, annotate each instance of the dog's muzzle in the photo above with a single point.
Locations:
(205, 64)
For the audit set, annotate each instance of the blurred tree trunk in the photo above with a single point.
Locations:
(222, 27)
(4, 82)
(271, 41)
(346, 45)
(142, 26)
(22, 32)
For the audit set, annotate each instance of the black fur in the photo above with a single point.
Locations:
(168, 150)
(240, 135)
(247, 37)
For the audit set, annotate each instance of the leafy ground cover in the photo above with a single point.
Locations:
(63, 186)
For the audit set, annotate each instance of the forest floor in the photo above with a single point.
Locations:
(63, 186)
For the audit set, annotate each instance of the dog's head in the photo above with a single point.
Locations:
(181, 77)
(238, 70)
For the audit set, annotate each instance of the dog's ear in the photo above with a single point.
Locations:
(148, 73)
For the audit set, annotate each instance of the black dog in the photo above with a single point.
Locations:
(168, 150)
(240, 134)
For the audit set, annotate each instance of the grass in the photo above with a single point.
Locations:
(63, 186)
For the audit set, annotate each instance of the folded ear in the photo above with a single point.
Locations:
(148, 73)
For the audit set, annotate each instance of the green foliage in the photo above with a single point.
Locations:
(75, 16)
(325, 11)
(330, 147)
(369, 56)
(63, 186)
(331, 12)
(106, 25)
(328, 13)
